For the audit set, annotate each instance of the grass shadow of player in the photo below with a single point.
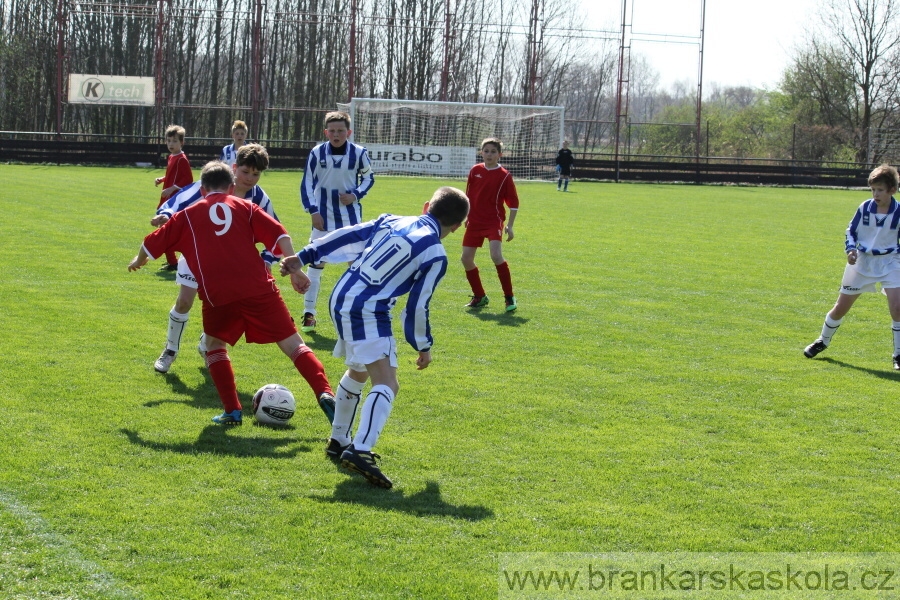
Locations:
(881, 374)
(319, 342)
(504, 319)
(425, 503)
(167, 275)
(202, 397)
(215, 439)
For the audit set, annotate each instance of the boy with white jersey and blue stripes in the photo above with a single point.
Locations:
(228, 155)
(391, 256)
(337, 176)
(251, 161)
(873, 257)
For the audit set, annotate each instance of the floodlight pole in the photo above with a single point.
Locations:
(60, 62)
(700, 83)
(621, 83)
(256, 85)
(160, 65)
(351, 85)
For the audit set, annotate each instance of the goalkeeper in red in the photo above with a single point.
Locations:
(217, 237)
(490, 189)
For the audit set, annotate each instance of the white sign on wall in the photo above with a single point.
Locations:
(422, 160)
(111, 89)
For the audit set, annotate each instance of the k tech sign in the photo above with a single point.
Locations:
(109, 89)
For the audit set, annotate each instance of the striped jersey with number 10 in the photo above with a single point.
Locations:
(392, 256)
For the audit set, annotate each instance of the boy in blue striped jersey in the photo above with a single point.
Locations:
(228, 155)
(873, 256)
(391, 256)
(337, 176)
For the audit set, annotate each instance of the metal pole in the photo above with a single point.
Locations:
(619, 89)
(445, 71)
(160, 67)
(60, 51)
(700, 79)
(351, 86)
(256, 89)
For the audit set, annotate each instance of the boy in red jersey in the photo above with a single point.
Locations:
(489, 188)
(217, 237)
(178, 175)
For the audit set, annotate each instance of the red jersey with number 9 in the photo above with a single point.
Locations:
(217, 236)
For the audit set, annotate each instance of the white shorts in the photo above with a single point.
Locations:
(184, 276)
(870, 270)
(359, 354)
(316, 234)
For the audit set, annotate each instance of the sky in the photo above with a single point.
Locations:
(746, 42)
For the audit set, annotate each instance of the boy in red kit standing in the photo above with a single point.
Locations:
(490, 187)
(178, 175)
(217, 237)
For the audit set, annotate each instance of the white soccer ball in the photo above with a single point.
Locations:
(273, 404)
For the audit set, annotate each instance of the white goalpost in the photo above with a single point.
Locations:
(442, 139)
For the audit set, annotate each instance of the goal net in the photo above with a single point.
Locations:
(884, 146)
(442, 139)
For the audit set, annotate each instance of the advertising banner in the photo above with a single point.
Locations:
(111, 89)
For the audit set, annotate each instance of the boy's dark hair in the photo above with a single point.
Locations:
(254, 156)
(216, 176)
(492, 140)
(239, 125)
(175, 130)
(449, 206)
(886, 175)
(337, 116)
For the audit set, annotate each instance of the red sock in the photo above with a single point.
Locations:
(475, 283)
(310, 367)
(505, 278)
(171, 258)
(219, 365)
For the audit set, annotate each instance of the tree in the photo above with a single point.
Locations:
(845, 74)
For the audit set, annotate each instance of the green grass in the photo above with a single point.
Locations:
(649, 395)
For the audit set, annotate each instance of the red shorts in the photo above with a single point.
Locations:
(261, 320)
(475, 235)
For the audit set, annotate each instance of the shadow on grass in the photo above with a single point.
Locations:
(318, 342)
(881, 374)
(505, 319)
(426, 503)
(203, 396)
(215, 439)
(167, 275)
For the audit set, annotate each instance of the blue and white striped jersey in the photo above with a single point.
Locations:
(228, 155)
(873, 233)
(328, 175)
(392, 256)
(190, 194)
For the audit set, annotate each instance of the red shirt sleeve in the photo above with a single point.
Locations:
(183, 175)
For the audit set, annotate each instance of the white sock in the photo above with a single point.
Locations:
(829, 328)
(177, 321)
(345, 402)
(312, 294)
(895, 327)
(202, 345)
(374, 415)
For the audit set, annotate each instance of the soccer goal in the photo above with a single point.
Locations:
(441, 139)
(884, 146)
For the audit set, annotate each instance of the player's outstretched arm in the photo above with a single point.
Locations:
(139, 261)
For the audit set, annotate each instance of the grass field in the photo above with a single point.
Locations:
(649, 395)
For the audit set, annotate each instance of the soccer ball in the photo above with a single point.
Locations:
(273, 404)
